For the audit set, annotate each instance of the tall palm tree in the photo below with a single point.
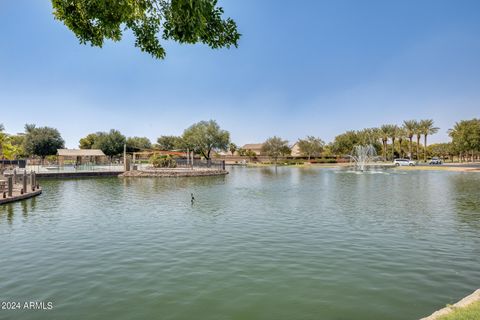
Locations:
(401, 135)
(427, 128)
(410, 127)
(418, 134)
(393, 136)
(384, 133)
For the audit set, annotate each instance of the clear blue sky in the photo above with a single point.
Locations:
(306, 67)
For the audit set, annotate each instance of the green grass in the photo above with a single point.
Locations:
(470, 312)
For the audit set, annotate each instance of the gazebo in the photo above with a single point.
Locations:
(81, 156)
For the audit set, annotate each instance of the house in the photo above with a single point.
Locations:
(255, 147)
(81, 156)
(296, 150)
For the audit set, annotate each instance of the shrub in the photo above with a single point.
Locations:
(159, 161)
(324, 160)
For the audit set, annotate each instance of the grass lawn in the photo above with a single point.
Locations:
(470, 312)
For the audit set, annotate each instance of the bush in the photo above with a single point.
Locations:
(159, 161)
(324, 160)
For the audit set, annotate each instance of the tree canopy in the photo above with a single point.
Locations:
(466, 136)
(205, 136)
(232, 147)
(275, 148)
(111, 143)
(311, 146)
(138, 144)
(42, 141)
(88, 141)
(169, 143)
(7, 149)
(183, 21)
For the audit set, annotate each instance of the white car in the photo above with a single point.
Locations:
(436, 160)
(404, 162)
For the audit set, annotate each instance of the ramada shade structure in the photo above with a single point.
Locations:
(80, 156)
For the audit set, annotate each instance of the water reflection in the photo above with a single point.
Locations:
(466, 195)
(25, 207)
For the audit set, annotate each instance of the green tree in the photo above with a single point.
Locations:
(135, 144)
(418, 134)
(393, 136)
(18, 141)
(205, 136)
(401, 135)
(232, 147)
(169, 143)
(311, 146)
(241, 152)
(42, 141)
(410, 127)
(343, 143)
(250, 154)
(426, 128)
(4, 142)
(88, 141)
(466, 137)
(386, 132)
(111, 143)
(442, 150)
(183, 21)
(275, 148)
(7, 149)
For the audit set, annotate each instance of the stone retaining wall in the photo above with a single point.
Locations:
(174, 173)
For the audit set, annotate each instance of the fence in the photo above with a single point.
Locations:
(189, 164)
(211, 164)
(70, 168)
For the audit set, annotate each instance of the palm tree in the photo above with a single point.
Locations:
(384, 133)
(393, 136)
(401, 134)
(427, 128)
(410, 127)
(418, 134)
(232, 147)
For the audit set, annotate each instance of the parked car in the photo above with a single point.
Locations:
(404, 162)
(435, 160)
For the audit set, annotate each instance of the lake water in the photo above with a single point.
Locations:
(300, 244)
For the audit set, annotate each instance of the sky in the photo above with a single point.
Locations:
(306, 67)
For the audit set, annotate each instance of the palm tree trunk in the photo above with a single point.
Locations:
(418, 147)
(410, 147)
(425, 149)
(393, 148)
(400, 144)
(384, 150)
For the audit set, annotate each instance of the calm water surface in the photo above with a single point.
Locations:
(299, 244)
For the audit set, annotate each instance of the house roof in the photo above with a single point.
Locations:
(80, 152)
(252, 146)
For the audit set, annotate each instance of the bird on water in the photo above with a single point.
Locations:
(193, 198)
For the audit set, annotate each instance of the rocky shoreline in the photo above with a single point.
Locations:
(173, 173)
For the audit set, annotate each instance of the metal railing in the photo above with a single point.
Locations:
(55, 168)
(188, 164)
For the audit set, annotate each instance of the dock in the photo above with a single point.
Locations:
(16, 186)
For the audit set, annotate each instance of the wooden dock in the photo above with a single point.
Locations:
(16, 186)
(17, 196)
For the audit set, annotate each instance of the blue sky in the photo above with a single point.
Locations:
(307, 67)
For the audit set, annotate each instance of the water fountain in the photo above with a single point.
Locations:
(362, 155)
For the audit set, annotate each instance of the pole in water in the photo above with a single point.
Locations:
(193, 198)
